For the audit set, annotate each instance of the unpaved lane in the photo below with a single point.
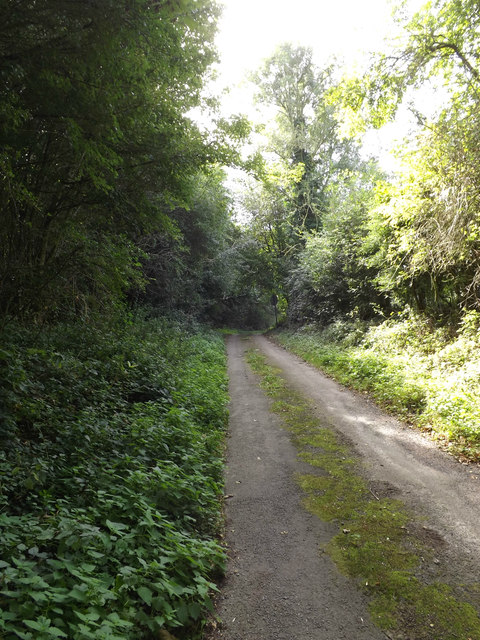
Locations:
(433, 484)
(279, 585)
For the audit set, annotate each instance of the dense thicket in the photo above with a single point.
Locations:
(309, 210)
(338, 236)
(96, 146)
(427, 220)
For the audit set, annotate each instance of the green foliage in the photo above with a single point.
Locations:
(307, 133)
(335, 277)
(271, 238)
(185, 266)
(441, 39)
(422, 242)
(438, 45)
(299, 188)
(111, 471)
(96, 144)
(411, 367)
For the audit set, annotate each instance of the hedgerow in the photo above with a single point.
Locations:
(111, 471)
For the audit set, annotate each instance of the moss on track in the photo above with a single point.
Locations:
(373, 545)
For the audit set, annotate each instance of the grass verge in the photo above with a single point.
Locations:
(415, 372)
(373, 544)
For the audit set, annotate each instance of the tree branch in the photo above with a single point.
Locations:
(438, 46)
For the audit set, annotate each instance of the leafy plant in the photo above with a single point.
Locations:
(111, 474)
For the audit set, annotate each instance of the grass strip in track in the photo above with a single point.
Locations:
(374, 544)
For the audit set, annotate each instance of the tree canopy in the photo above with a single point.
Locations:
(111, 191)
(96, 142)
(357, 241)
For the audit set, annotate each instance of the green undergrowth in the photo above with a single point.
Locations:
(111, 477)
(374, 544)
(417, 372)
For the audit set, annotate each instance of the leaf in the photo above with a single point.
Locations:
(92, 616)
(182, 613)
(146, 594)
(195, 610)
(56, 632)
(38, 626)
(116, 527)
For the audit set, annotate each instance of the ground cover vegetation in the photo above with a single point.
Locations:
(377, 541)
(111, 466)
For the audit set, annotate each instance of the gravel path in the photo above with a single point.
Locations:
(280, 584)
(403, 463)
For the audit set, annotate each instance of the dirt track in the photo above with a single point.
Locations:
(279, 584)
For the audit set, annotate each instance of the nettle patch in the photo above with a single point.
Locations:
(111, 470)
(375, 543)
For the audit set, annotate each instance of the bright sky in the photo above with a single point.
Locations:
(250, 30)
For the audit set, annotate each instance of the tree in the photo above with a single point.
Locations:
(425, 228)
(441, 39)
(307, 134)
(438, 44)
(430, 246)
(181, 263)
(95, 144)
(334, 277)
(293, 196)
(430, 259)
